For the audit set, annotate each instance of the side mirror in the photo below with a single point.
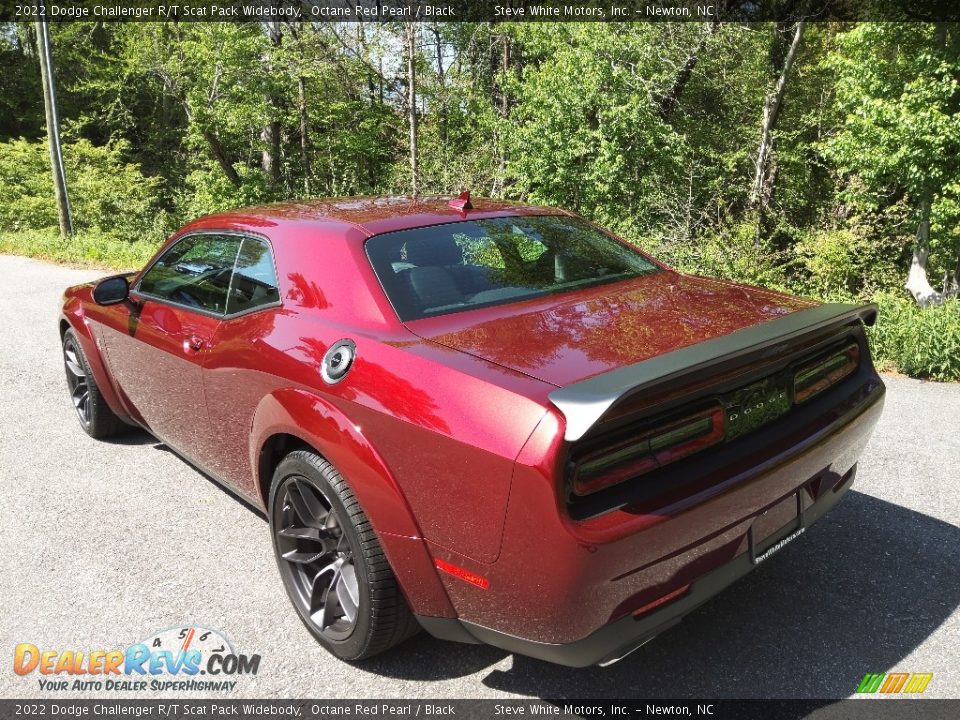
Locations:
(111, 291)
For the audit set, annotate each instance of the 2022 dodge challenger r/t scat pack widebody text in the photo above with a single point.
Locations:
(494, 421)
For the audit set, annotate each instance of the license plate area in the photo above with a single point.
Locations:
(776, 528)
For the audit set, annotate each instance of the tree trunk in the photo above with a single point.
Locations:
(270, 157)
(952, 289)
(503, 107)
(442, 82)
(917, 282)
(762, 188)
(412, 104)
(362, 44)
(669, 101)
(218, 153)
(504, 69)
(64, 212)
(298, 38)
(304, 132)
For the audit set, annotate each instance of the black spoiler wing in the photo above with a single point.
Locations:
(585, 402)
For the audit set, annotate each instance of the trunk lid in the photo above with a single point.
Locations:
(566, 338)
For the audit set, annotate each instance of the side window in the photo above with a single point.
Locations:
(195, 272)
(254, 279)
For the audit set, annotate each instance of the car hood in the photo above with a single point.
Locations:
(562, 339)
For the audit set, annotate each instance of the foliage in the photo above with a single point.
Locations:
(844, 263)
(898, 116)
(108, 195)
(206, 190)
(88, 247)
(585, 134)
(19, 82)
(919, 342)
(732, 252)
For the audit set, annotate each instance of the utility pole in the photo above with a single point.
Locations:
(53, 126)
(412, 103)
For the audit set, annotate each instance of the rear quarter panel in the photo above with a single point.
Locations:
(410, 425)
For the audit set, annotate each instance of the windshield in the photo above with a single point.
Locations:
(463, 265)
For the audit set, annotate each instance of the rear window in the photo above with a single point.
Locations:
(460, 266)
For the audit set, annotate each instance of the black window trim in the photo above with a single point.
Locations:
(202, 311)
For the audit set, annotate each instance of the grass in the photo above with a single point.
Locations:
(89, 249)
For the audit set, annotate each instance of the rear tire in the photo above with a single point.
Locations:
(96, 417)
(331, 563)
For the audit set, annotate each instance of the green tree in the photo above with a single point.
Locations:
(898, 102)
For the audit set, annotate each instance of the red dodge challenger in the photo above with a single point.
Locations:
(494, 421)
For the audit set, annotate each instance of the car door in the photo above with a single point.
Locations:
(243, 362)
(156, 353)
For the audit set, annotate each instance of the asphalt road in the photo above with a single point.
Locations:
(104, 543)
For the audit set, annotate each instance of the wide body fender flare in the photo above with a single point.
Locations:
(74, 317)
(319, 423)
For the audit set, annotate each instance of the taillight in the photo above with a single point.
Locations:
(828, 370)
(650, 450)
(676, 438)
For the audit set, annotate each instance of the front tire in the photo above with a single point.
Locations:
(96, 417)
(331, 562)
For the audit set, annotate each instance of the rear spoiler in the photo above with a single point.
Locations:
(585, 402)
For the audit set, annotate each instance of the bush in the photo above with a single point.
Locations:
(207, 190)
(846, 262)
(85, 248)
(109, 196)
(731, 252)
(920, 342)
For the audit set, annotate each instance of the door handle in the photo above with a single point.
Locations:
(194, 343)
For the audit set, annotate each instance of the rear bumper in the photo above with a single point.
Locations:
(621, 637)
(580, 592)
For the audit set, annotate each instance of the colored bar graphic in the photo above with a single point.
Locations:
(870, 683)
(918, 682)
(892, 683)
(895, 682)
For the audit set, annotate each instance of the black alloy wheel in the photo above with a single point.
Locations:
(96, 417)
(331, 563)
(317, 557)
(77, 380)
